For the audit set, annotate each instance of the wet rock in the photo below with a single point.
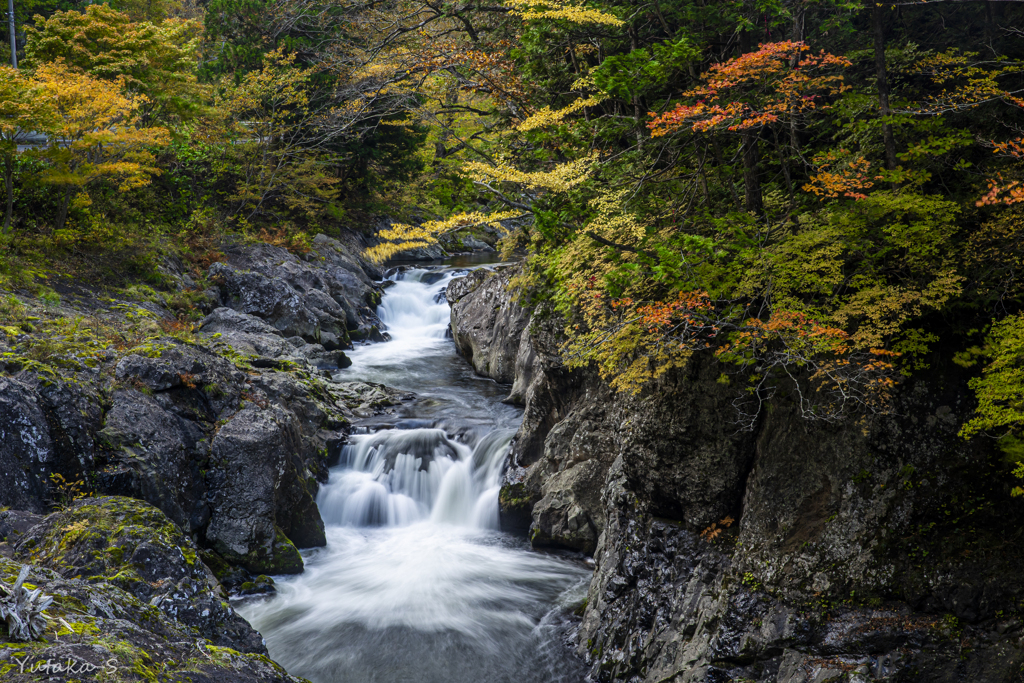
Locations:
(369, 333)
(487, 326)
(470, 242)
(366, 399)
(515, 509)
(261, 585)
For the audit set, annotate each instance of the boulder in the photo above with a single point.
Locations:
(264, 345)
(262, 494)
(100, 632)
(486, 323)
(319, 299)
(161, 453)
(26, 449)
(133, 546)
(15, 523)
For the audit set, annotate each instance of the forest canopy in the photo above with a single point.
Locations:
(827, 195)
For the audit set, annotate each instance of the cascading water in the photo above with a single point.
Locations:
(416, 583)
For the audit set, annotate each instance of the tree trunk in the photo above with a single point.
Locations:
(751, 179)
(62, 209)
(726, 179)
(797, 36)
(990, 34)
(9, 186)
(878, 28)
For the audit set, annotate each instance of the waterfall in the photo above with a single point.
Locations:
(395, 477)
(414, 307)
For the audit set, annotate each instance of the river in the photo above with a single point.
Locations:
(417, 584)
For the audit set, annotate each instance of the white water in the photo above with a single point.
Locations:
(417, 583)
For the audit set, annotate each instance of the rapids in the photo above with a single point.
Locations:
(417, 583)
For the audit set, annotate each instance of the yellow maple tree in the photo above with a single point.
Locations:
(94, 133)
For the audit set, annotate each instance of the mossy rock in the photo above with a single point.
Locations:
(515, 508)
(134, 547)
(110, 635)
(96, 539)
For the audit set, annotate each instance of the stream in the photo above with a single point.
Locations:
(417, 583)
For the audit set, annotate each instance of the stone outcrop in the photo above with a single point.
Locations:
(228, 433)
(871, 550)
(324, 298)
(263, 493)
(487, 325)
(26, 447)
(132, 600)
(132, 545)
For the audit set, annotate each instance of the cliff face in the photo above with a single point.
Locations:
(876, 549)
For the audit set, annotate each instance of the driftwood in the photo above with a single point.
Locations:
(22, 609)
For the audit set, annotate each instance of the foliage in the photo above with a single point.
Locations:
(276, 145)
(23, 107)
(762, 183)
(95, 132)
(400, 237)
(66, 492)
(148, 59)
(1000, 388)
(778, 81)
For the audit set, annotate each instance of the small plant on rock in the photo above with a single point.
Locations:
(66, 492)
(715, 530)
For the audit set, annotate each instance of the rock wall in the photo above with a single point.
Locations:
(879, 549)
(492, 323)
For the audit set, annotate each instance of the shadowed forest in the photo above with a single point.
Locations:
(826, 194)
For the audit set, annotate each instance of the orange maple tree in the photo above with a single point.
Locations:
(778, 81)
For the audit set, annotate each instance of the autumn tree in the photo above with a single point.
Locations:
(280, 140)
(154, 60)
(95, 133)
(778, 83)
(24, 108)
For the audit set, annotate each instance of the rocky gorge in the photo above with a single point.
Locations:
(151, 471)
(875, 549)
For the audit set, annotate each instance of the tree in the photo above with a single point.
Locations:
(280, 141)
(154, 60)
(24, 108)
(778, 83)
(95, 133)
